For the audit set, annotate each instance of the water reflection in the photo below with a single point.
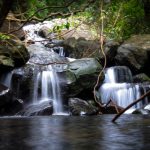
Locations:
(75, 133)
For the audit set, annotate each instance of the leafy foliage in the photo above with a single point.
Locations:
(4, 37)
(122, 18)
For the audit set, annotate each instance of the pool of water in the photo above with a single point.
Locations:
(131, 132)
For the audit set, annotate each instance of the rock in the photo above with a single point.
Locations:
(140, 78)
(135, 53)
(79, 48)
(13, 54)
(44, 108)
(82, 74)
(110, 49)
(9, 104)
(81, 107)
(141, 111)
(22, 82)
(44, 32)
(75, 77)
(12, 25)
(13, 107)
(6, 95)
(39, 56)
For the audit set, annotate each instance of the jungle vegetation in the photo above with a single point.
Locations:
(120, 18)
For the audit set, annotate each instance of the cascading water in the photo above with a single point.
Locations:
(48, 82)
(46, 86)
(119, 88)
(43, 89)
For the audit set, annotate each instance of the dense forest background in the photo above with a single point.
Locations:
(120, 18)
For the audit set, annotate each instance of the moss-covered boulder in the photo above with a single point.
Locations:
(12, 54)
(82, 74)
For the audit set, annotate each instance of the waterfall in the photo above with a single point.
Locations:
(119, 87)
(48, 83)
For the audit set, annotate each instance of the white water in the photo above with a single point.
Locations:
(48, 83)
(122, 93)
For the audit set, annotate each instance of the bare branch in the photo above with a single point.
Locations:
(54, 14)
(129, 106)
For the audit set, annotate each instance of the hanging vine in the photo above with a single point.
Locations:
(101, 40)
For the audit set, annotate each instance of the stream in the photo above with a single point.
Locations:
(131, 132)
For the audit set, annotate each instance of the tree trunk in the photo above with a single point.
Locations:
(5, 6)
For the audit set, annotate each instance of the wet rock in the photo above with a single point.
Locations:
(82, 74)
(79, 48)
(41, 56)
(110, 49)
(44, 32)
(141, 111)
(140, 78)
(12, 54)
(44, 108)
(6, 95)
(81, 107)
(135, 53)
(9, 104)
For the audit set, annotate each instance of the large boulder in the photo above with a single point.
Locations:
(135, 53)
(75, 77)
(79, 107)
(25, 78)
(82, 74)
(79, 48)
(12, 54)
(12, 24)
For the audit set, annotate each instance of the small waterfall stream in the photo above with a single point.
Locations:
(119, 87)
(48, 83)
(40, 74)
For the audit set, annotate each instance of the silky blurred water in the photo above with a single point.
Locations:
(131, 132)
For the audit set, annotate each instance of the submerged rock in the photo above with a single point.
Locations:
(79, 107)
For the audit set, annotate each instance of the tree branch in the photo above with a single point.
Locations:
(54, 14)
(129, 106)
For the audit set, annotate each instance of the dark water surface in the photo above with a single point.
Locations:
(132, 132)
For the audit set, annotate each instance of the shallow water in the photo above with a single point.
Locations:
(131, 132)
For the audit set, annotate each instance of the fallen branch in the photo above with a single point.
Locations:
(112, 103)
(129, 106)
